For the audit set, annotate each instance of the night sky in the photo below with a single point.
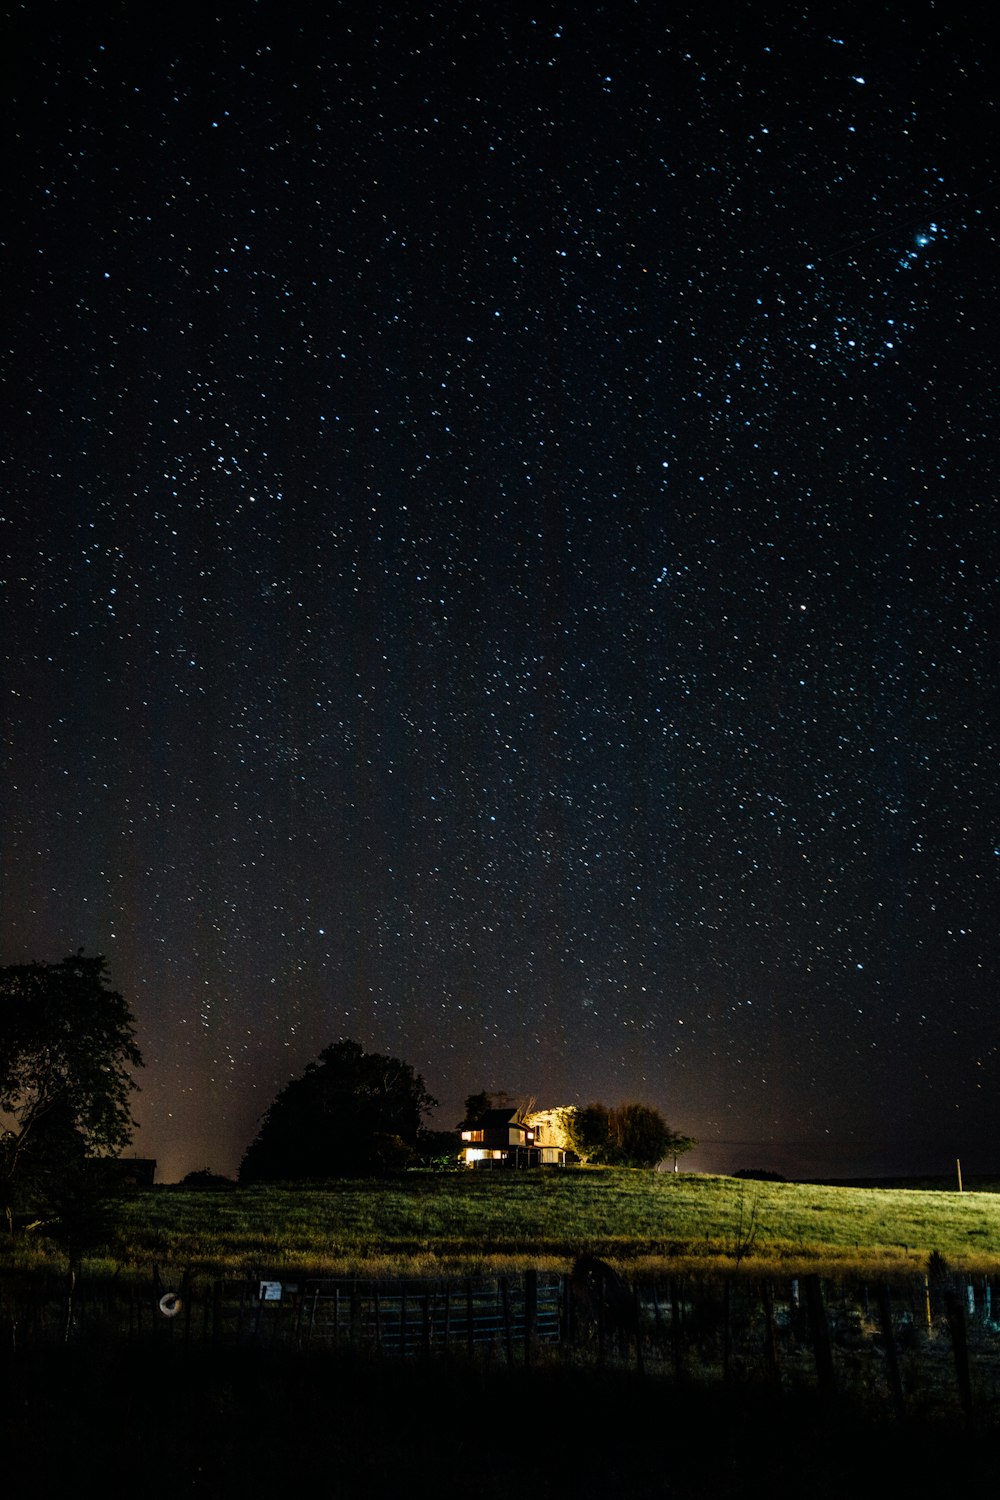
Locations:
(499, 558)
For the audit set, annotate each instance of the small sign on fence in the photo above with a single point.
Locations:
(270, 1291)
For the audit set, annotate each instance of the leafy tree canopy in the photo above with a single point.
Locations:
(351, 1114)
(626, 1135)
(476, 1106)
(67, 1053)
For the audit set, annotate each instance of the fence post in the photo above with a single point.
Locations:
(530, 1316)
(891, 1357)
(726, 1329)
(508, 1332)
(820, 1330)
(300, 1310)
(640, 1362)
(675, 1330)
(470, 1318)
(186, 1293)
(355, 1315)
(770, 1342)
(566, 1304)
(960, 1349)
(447, 1318)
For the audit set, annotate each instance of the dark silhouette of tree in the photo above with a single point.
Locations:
(67, 1052)
(476, 1106)
(204, 1177)
(351, 1114)
(627, 1135)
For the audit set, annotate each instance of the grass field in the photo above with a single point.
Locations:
(447, 1223)
(214, 1419)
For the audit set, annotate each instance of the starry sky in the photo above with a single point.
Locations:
(499, 558)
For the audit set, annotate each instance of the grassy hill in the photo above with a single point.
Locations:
(436, 1224)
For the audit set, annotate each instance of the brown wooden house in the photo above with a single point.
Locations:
(500, 1139)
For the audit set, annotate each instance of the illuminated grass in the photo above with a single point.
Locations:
(427, 1224)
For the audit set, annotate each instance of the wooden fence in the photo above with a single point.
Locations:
(908, 1345)
(512, 1316)
(398, 1317)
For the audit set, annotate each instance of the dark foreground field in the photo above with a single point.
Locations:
(239, 1398)
(152, 1420)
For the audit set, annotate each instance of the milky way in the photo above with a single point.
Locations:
(500, 560)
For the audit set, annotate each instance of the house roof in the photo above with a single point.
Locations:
(494, 1117)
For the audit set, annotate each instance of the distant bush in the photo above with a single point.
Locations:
(759, 1174)
(206, 1178)
(440, 1150)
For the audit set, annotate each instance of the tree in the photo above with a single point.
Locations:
(627, 1135)
(680, 1145)
(589, 1131)
(640, 1135)
(67, 1052)
(351, 1114)
(477, 1106)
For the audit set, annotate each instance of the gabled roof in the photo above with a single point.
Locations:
(496, 1117)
